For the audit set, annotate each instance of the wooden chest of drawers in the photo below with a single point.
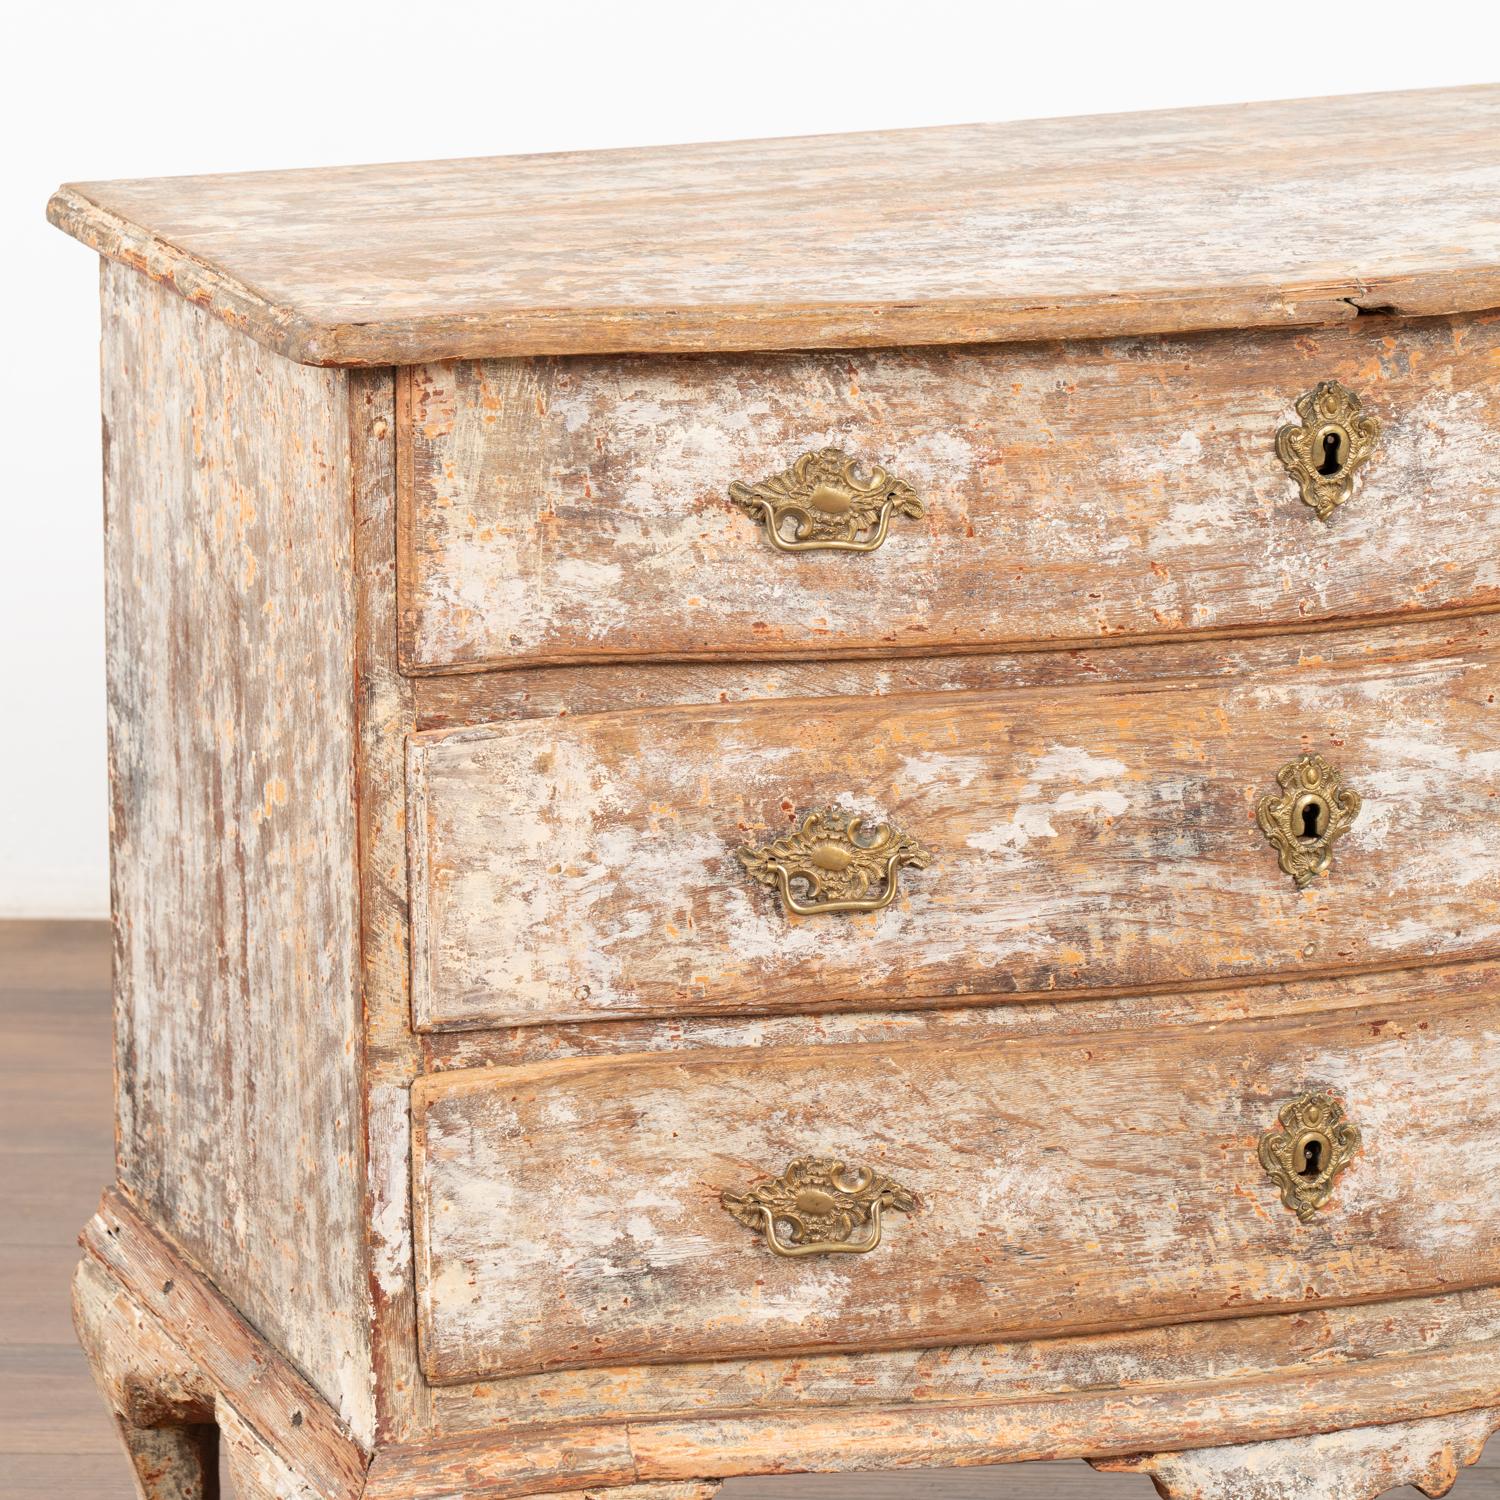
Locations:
(809, 805)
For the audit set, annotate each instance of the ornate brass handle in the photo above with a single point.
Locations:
(1308, 1150)
(818, 1206)
(828, 506)
(1334, 439)
(1313, 809)
(825, 857)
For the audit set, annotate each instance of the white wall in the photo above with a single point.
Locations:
(100, 90)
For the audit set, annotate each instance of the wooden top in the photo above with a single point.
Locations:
(1247, 215)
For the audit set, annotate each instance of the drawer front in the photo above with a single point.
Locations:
(578, 510)
(1078, 840)
(573, 1213)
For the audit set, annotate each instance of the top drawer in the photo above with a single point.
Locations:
(577, 510)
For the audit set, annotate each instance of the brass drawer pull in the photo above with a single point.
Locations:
(1334, 439)
(1313, 808)
(828, 506)
(826, 858)
(1308, 1150)
(818, 1206)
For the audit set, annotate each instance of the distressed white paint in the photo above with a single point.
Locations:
(1080, 839)
(232, 748)
(1237, 1354)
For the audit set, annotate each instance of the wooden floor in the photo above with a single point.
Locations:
(56, 1155)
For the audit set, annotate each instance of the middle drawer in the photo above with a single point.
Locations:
(1070, 840)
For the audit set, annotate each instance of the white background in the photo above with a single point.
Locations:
(99, 90)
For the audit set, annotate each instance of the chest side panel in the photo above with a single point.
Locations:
(231, 758)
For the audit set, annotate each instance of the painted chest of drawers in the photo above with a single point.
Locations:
(814, 804)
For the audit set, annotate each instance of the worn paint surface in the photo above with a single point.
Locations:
(228, 519)
(974, 1433)
(161, 1405)
(1195, 218)
(1355, 1465)
(687, 1489)
(255, 1470)
(1080, 839)
(389, 1060)
(569, 1213)
(576, 510)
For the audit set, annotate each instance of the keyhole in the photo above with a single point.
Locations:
(1312, 1158)
(1312, 817)
(1333, 443)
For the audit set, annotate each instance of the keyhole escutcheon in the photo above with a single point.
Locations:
(1310, 819)
(1333, 453)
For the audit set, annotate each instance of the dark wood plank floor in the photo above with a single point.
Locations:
(56, 1153)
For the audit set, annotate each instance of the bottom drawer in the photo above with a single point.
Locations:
(574, 1213)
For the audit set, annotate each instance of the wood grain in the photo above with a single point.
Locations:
(228, 516)
(577, 510)
(432, 745)
(252, 1469)
(55, 1435)
(1076, 1017)
(1046, 1426)
(1082, 841)
(162, 1406)
(1223, 217)
(568, 1214)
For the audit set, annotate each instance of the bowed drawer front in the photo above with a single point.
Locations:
(1065, 840)
(573, 1213)
(580, 510)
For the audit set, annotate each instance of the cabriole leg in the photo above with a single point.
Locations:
(1358, 1464)
(162, 1410)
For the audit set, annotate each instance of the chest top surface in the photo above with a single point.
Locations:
(1289, 213)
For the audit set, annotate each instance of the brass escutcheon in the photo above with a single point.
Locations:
(1307, 1151)
(1313, 808)
(1333, 439)
(825, 858)
(818, 1206)
(828, 506)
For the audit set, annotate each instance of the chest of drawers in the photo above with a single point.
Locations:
(809, 805)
